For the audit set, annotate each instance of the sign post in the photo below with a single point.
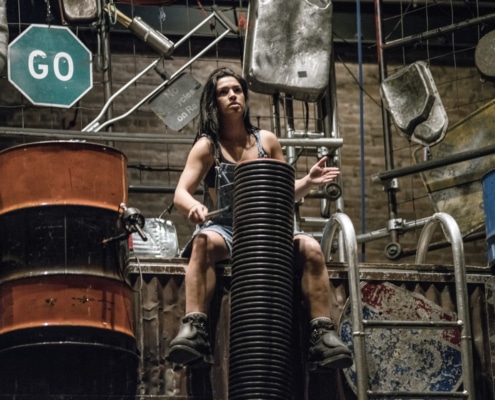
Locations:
(50, 66)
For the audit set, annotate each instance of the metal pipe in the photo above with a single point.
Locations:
(451, 3)
(290, 152)
(4, 34)
(146, 137)
(88, 136)
(427, 165)
(313, 194)
(157, 189)
(411, 324)
(306, 142)
(419, 37)
(106, 65)
(328, 111)
(275, 120)
(382, 233)
(416, 395)
(155, 39)
(387, 136)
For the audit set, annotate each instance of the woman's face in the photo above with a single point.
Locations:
(230, 97)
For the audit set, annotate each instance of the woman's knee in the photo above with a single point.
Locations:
(308, 250)
(209, 245)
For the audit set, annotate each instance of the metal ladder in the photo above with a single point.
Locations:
(341, 223)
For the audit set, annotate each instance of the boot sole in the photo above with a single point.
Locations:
(338, 362)
(184, 355)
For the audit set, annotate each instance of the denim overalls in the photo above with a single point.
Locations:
(224, 190)
(224, 184)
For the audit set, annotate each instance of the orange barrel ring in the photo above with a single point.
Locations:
(62, 173)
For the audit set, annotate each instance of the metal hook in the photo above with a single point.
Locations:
(112, 12)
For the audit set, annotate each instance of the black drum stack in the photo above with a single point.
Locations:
(262, 281)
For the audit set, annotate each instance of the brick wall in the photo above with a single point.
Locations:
(159, 164)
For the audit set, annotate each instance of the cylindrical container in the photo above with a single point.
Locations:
(488, 185)
(65, 307)
(262, 281)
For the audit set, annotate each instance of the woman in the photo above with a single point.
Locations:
(226, 138)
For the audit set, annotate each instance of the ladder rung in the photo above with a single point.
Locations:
(412, 324)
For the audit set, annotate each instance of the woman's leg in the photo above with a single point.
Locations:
(315, 284)
(191, 346)
(326, 350)
(208, 249)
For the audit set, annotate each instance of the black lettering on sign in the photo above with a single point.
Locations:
(178, 103)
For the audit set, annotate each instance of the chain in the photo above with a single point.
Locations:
(49, 16)
(112, 12)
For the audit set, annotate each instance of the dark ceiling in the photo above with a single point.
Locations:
(180, 16)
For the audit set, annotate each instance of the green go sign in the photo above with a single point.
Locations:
(50, 66)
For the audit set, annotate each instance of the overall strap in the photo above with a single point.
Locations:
(261, 151)
(217, 153)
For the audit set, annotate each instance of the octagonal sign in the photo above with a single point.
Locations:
(50, 66)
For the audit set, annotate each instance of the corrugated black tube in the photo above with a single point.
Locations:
(260, 364)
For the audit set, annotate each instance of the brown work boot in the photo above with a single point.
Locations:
(326, 350)
(191, 346)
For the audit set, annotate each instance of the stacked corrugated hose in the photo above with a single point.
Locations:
(262, 281)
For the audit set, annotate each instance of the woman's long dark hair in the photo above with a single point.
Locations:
(209, 119)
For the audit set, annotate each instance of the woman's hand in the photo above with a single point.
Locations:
(320, 174)
(197, 213)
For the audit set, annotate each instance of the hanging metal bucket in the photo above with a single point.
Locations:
(162, 240)
(64, 304)
(284, 52)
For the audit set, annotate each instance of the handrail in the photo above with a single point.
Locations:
(453, 235)
(348, 237)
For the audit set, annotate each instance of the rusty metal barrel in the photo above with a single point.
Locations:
(65, 306)
(262, 281)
